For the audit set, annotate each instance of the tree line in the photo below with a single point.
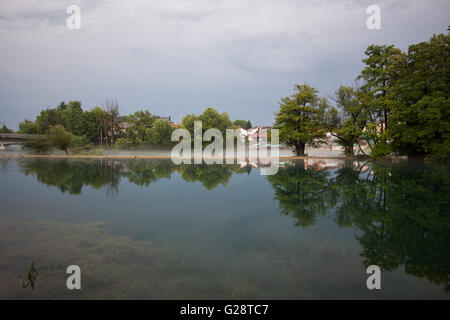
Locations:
(68, 126)
(398, 105)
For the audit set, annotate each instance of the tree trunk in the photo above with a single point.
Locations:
(350, 151)
(65, 150)
(300, 149)
(360, 148)
(384, 111)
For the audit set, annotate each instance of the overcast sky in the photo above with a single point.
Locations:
(176, 57)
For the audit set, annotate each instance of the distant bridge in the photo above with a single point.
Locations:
(7, 139)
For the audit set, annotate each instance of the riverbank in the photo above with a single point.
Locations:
(45, 156)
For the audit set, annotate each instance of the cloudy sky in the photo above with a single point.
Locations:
(175, 57)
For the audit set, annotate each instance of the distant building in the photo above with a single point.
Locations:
(380, 127)
(243, 134)
(164, 118)
(257, 136)
(253, 130)
(174, 125)
(123, 126)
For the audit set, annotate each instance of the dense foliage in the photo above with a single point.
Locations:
(79, 129)
(299, 119)
(5, 129)
(243, 124)
(401, 105)
(421, 117)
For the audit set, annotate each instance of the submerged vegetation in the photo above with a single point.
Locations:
(33, 274)
(31, 277)
(400, 211)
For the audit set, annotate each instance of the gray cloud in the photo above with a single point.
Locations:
(177, 56)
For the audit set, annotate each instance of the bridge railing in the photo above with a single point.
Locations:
(17, 136)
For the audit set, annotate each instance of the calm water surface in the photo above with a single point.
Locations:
(149, 229)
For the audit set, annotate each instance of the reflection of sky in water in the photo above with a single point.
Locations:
(177, 239)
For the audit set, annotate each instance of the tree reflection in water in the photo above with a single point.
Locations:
(401, 210)
(70, 175)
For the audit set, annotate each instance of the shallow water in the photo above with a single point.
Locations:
(148, 229)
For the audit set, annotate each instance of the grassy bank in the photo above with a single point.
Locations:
(82, 156)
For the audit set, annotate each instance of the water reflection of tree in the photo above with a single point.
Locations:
(303, 193)
(403, 214)
(143, 172)
(210, 176)
(402, 211)
(71, 175)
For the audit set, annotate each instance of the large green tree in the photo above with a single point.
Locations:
(73, 118)
(347, 121)
(89, 126)
(243, 124)
(299, 119)
(59, 138)
(49, 117)
(5, 129)
(211, 119)
(421, 119)
(101, 124)
(28, 127)
(379, 75)
(140, 130)
(161, 133)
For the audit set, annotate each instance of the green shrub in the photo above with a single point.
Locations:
(39, 145)
(80, 142)
(381, 150)
(122, 143)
